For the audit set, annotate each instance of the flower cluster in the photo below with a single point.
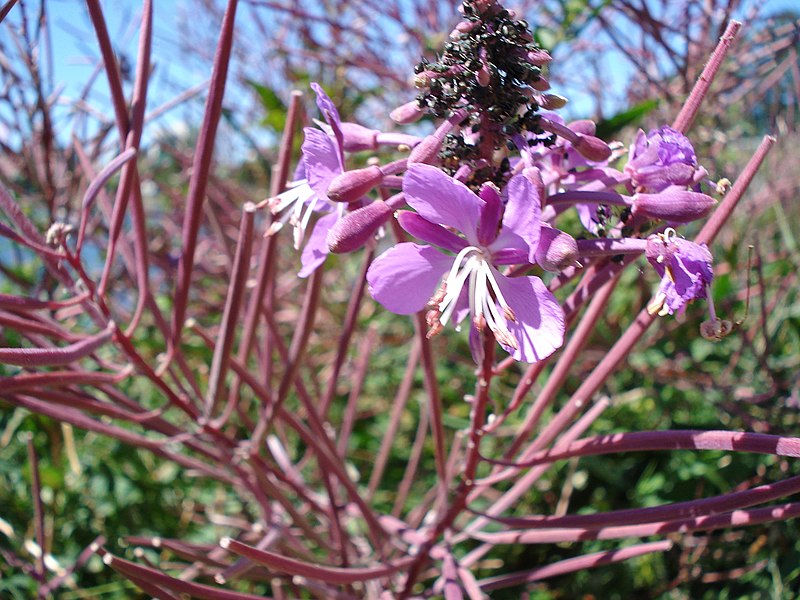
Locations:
(486, 190)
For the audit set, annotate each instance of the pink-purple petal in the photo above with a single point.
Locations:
(404, 278)
(316, 249)
(443, 200)
(522, 217)
(331, 115)
(429, 232)
(539, 325)
(326, 105)
(321, 159)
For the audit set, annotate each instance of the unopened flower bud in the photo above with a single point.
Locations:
(539, 57)
(410, 112)
(592, 148)
(552, 101)
(556, 250)
(583, 126)
(466, 26)
(358, 138)
(351, 186)
(673, 205)
(428, 149)
(353, 230)
(540, 84)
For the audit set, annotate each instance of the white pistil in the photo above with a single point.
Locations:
(483, 293)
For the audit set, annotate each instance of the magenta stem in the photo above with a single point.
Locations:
(230, 315)
(398, 408)
(333, 575)
(266, 256)
(349, 325)
(737, 518)
(94, 188)
(200, 172)
(570, 565)
(40, 357)
(691, 107)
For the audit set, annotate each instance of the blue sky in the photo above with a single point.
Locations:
(75, 54)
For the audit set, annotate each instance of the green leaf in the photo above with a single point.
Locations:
(546, 37)
(274, 108)
(608, 127)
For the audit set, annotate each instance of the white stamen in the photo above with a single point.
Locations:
(483, 294)
(455, 281)
(300, 230)
(292, 205)
(497, 293)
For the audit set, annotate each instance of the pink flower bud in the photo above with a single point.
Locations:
(592, 148)
(674, 205)
(350, 186)
(355, 229)
(410, 112)
(540, 84)
(466, 26)
(358, 138)
(583, 126)
(539, 57)
(426, 151)
(556, 250)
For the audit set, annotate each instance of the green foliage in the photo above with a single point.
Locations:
(274, 108)
(608, 128)
(573, 16)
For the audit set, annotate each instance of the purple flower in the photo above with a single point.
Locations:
(661, 158)
(524, 316)
(685, 270)
(322, 161)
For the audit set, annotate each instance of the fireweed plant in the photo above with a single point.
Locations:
(461, 228)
